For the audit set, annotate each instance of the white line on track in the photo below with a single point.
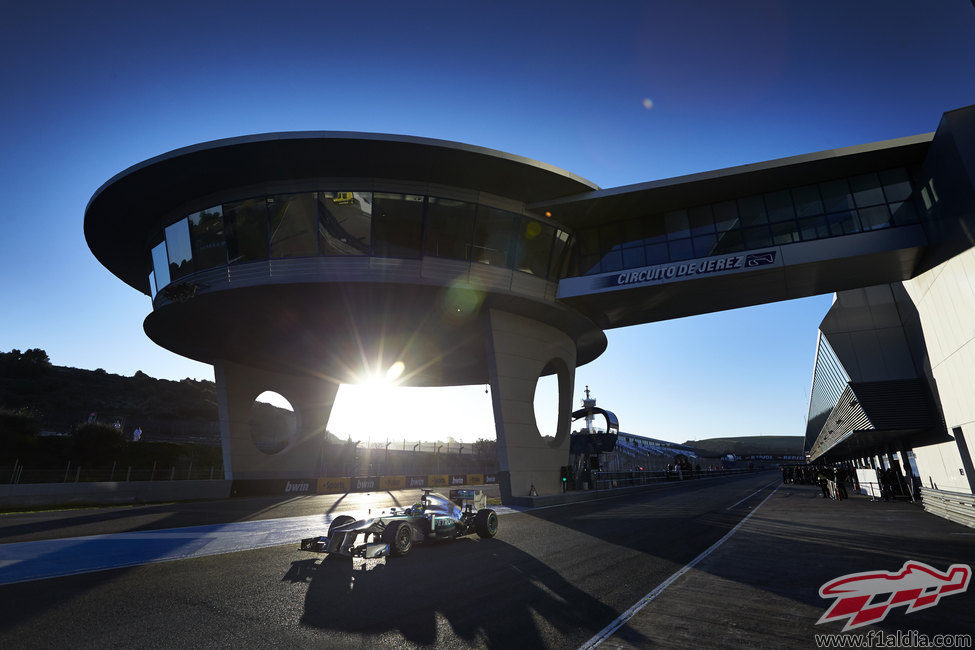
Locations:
(608, 631)
(764, 487)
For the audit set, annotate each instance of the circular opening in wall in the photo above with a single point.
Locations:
(272, 422)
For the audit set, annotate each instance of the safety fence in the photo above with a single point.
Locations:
(608, 480)
(18, 474)
(954, 506)
(343, 484)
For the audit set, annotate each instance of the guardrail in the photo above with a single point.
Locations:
(609, 480)
(954, 506)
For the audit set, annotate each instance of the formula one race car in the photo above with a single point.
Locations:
(394, 531)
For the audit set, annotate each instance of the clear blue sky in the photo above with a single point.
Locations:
(92, 88)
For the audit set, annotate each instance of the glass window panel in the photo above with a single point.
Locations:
(836, 196)
(866, 190)
(657, 253)
(533, 246)
(560, 254)
(896, 184)
(751, 211)
(612, 261)
(785, 232)
(589, 264)
(875, 218)
(681, 249)
(397, 225)
(246, 224)
(160, 265)
(207, 237)
(779, 206)
(756, 237)
(704, 245)
(589, 241)
(293, 221)
(677, 224)
(701, 221)
(449, 228)
(730, 242)
(843, 223)
(807, 201)
(813, 228)
(178, 246)
(493, 236)
(152, 285)
(725, 215)
(633, 232)
(655, 229)
(633, 257)
(904, 213)
(345, 223)
(611, 235)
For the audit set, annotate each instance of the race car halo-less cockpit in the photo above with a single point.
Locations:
(396, 530)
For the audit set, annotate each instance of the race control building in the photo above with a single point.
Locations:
(294, 262)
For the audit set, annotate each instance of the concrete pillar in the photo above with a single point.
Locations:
(518, 350)
(312, 399)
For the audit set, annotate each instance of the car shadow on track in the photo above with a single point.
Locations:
(485, 592)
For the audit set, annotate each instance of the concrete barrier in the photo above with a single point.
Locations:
(26, 495)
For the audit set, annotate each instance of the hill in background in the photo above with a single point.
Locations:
(749, 445)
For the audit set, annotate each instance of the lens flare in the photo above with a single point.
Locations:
(647, 103)
(395, 371)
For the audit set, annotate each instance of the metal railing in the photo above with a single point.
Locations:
(18, 473)
(609, 480)
(954, 506)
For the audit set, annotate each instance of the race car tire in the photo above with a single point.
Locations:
(486, 523)
(339, 521)
(399, 536)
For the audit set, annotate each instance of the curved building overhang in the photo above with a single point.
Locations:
(345, 331)
(125, 210)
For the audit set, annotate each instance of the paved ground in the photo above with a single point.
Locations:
(552, 578)
(760, 588)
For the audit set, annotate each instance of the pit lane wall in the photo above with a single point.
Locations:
(343, 484)
(28, 495)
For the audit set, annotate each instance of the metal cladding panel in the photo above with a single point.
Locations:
(870, 415)
(903, 404)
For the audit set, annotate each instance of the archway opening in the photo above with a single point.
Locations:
(273, 423)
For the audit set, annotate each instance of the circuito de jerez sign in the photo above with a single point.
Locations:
(671, 272)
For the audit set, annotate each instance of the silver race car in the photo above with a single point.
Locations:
(396, 530)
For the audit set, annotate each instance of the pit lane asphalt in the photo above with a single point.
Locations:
(552, 577)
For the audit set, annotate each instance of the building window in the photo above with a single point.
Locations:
(292, 221)
(449, 228)
(246, 223)
(207, 238)
(397, 225)
(560, 254)
(345, 223)
(493, 236)
(178, 247)
(160, 265)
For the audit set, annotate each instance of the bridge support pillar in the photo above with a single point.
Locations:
(312, 399)
(519, 350)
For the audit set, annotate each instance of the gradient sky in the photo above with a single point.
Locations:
(92, 88)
